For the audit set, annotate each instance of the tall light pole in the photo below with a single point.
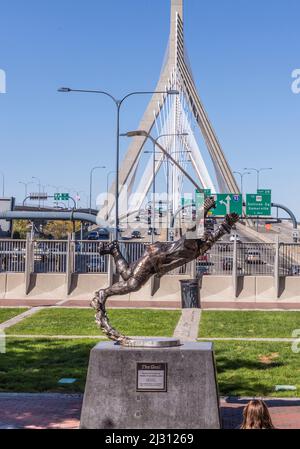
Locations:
(3, 183)
(154, 176)
(258, 170)
(26, 184)
(107, 187)
(118, 104)
(91, 182)
(242, 179)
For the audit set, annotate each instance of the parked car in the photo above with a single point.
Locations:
(253, 256)
(103, 234)
(202, 270)
(294, 270)
(93, 235)
(203, 260)
(136, 235)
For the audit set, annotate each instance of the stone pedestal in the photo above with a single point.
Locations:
(151, 388)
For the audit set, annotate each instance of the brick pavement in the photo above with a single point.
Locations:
(61, 411)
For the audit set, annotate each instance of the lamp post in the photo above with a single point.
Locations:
(107, 187)
(118, 103)
(154, 176)
(142, 133)
(242, 178)
(91, 182)
(258, 170)
(3, 183)
(26, 184)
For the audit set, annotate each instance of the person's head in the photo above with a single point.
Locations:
(256, 416)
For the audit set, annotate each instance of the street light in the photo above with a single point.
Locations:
(258, 170)
(118, 104)
(91, 183)
(154, 176)
(107, 184)
(242, 178)
(141, 133)
(26, 184)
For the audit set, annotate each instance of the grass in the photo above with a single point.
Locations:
(7, 314)
(248, 324)
(244, 368)
(81, 322)
(254, 368)
(36, 365)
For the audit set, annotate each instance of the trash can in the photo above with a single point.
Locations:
(190, 297)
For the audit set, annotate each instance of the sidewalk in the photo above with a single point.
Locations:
(61, 411)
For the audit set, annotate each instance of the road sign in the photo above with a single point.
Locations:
(228, 203)
(199, 199)
(38, 196)
(61, 197)
(258, 204)
(264, 192)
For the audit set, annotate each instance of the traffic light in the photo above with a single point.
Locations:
(160, 211)
(149, 215)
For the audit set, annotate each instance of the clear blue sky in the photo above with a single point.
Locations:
(242, 55)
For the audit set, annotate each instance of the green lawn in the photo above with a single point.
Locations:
(35, 365)
(248, 324)
(254, 368)
(7, 314)
(244, 369)
(81, 322)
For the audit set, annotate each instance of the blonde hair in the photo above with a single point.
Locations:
(256, 416)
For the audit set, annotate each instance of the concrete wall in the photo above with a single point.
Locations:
(220, 289)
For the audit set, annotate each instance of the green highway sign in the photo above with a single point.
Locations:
(258, 204)
(61, 197)
(227, 203)
(207, 192)
(199, 199)
(264, 192)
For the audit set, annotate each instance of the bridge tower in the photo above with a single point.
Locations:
(174, 115)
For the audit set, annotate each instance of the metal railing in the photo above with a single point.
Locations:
(289, 259)
(88, 259)
(51, 256)
(12, 256)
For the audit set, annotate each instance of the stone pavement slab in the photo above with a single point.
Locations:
(62, 411)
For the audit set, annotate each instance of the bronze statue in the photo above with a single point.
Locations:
(158, 259)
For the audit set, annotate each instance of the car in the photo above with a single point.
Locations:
(235, 237)
(152, 231)
(202, 270)
(203, 260)
(253, 256)
(93, 235)
(294, 270)
(136, 235)
(103, 234)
